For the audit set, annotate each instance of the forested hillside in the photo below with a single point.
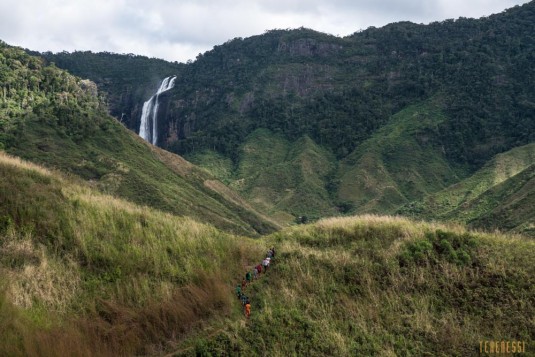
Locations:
(126, 80)
(50, 117)
(473, 77)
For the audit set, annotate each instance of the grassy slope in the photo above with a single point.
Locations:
(501, 190)
(386, 286)
(281, 178)
(90, 274)
(106, 276)
(507, 206)
(122, 164)
(397, 164)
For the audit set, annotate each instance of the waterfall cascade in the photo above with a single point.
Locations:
(148, 128)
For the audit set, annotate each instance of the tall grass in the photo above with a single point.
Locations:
(88, 274)
(388, 286)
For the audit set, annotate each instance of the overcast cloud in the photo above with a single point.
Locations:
(179, 30)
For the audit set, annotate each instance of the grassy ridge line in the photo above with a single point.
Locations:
(120, 163)
(373, 285)
(107, 276)
(515, 211)
(501, 190)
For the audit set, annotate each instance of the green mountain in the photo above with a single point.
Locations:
(405, 110)
(51, 117)
(499, 195)
(115, 247)
(399, 163)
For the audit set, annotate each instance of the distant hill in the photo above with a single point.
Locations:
(400, 112)
(499, 195)
(51, 117)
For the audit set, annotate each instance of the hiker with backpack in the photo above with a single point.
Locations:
(265, 264)
(238, 290)
(248, 278)
(247, 308)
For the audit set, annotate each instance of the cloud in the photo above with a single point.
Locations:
(179, 30)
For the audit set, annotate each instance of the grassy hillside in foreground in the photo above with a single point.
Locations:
(53, 118)
(369, 285)
(499, 195)
(85, 274)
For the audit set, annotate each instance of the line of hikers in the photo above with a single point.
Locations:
(249, 277)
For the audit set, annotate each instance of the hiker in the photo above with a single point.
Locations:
(272, 252)
(248, 277)
(255, 273)
(269, 253)
(238, 291)
(265, 264)
(247, 308)
(243, 284)
(244, 299)
(259, 268)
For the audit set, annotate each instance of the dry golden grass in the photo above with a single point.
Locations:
(22, 164)
(339, 288)
(113, 278)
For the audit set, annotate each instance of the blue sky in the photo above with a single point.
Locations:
(179, 30)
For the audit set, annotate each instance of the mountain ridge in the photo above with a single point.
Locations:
(489, 192)
(341, 92)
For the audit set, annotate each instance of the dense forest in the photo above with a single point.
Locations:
(127, 80)
(32, 90)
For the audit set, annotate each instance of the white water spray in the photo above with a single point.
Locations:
(149, 113)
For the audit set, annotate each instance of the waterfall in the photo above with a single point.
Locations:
(148, 128)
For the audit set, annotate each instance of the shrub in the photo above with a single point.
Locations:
(455, 248)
